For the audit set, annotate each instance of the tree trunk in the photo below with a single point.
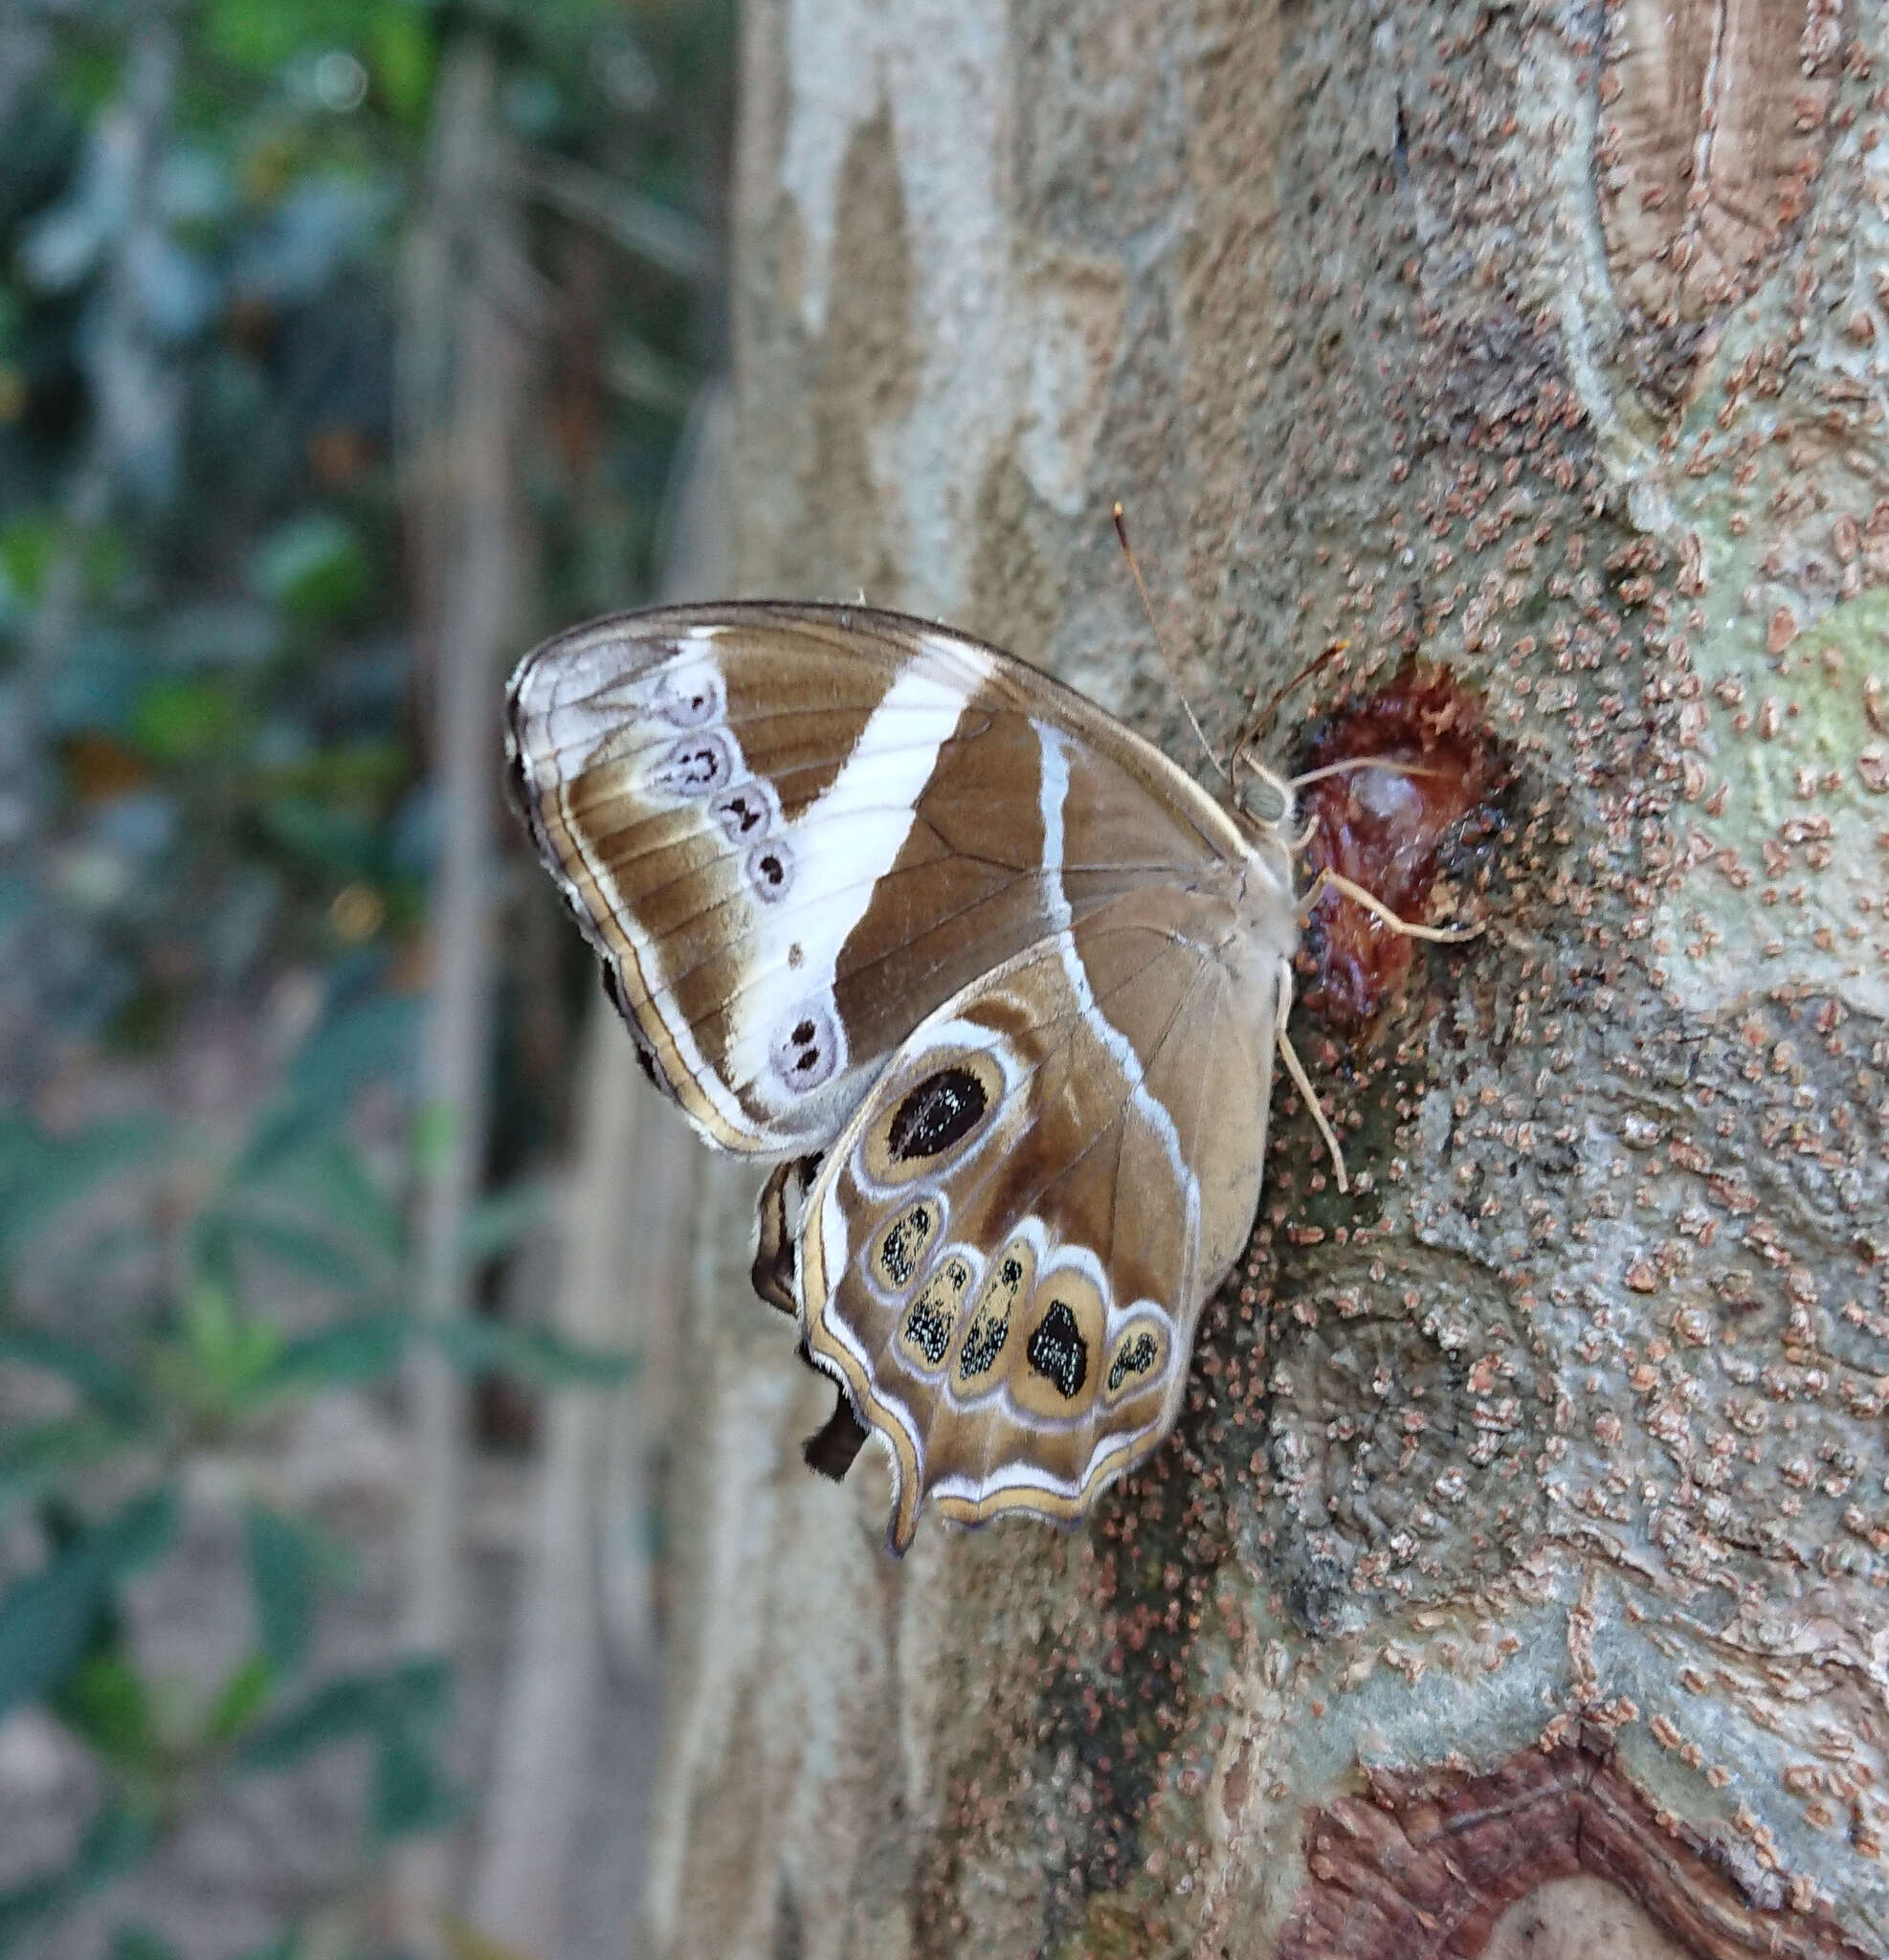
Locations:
(1517, 1568)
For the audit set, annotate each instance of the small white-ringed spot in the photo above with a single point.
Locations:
(691, 694)
(747, 812)
(769, 869)
(694, 765)
(806, 1047)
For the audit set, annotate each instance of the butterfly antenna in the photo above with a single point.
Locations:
(1167, 659)
(1305, 673)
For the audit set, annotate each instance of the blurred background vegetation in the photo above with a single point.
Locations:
(284, 283)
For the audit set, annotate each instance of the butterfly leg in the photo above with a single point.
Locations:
(1330, 880)
(1297, 1070)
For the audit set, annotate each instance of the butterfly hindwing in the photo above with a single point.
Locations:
(1005, 1254)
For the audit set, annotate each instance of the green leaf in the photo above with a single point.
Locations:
(39, 1174)
(285, 1946)
(118, 1837)
(308, 1251)
(231, 1353)
(477, 1344)
(402, 59)
(108, 1388)
(410, 1692)
(28, 546)
(342, 842)
(359, 1045)
(39, 1458)
(189, 720)
(337, 1711)
(104, 1702)
(47, 1618)
(264, 34)
(498, 1221)
(139, 1942)
(281, 1569)
(331, 1177)
(241, 1699)
(410, 1792)
(363, 1347)
(313, 567)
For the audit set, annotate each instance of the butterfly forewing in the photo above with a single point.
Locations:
(791, 832)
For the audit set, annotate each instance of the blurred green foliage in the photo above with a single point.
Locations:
(171, 1360)
(211, 784)
(207, 684)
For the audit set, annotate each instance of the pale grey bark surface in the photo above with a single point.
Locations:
(1543, 341)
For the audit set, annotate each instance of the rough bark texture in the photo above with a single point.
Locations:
(1520, 1552)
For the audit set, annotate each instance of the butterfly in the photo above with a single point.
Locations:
(997, 984)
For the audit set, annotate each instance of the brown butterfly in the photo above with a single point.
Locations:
(1005, 985)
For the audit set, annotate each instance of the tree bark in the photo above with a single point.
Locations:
(1518, 1564)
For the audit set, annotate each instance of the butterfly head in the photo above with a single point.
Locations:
(1263, 798)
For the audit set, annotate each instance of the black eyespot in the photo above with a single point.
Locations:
(942, 1108)
(741, 811)
(903, 1247)
(932, 1315)
(1058, 1352)
(927, 1330)
(696, 766)
(770, 869)
(1137, 1357)
(803, 1031)
(983, 1344)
